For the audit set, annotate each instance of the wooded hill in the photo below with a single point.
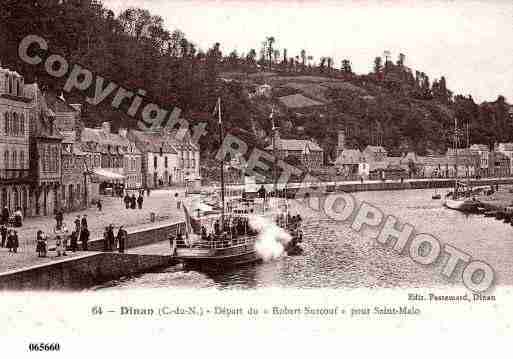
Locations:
(395, 106)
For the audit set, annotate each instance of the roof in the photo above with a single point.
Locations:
(44, 124)
(298, 101)
(101, 141)
(505, 146)
(350, 156)
(170, 141)
(57, 104)
(479, 147)
(295, 145)
(375, 149)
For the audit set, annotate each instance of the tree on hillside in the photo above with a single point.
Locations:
(251, 57)
(346, 66)
(378, 65)
(303, 58)
(400, 59)
(270, 50)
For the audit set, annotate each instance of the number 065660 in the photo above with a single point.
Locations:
(44, 347)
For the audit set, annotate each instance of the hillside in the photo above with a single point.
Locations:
(393, 105)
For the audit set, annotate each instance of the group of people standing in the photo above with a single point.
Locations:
(131, 202)
(64, 239)
(9, 239)
(110, 241)
(16, 219)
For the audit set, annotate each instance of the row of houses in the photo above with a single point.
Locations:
(375, 163)
(50, 160)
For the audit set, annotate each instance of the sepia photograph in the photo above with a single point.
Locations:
(171, 163)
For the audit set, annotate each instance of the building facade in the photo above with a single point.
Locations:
(15, 177)
(45, 150)
(306, 152)
(169, 158)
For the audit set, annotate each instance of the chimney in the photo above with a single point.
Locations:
(122, 132)
(106, 127)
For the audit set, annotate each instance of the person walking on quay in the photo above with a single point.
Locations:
(83, 222)
(140, 201)
(74, 241)
(121, 238)
(18, 217)
(147, 191)
(77, 224)
(59, 216)
(60, 240)
(99, 205)
(127, 201)
(84, 238)
(108, 236)
(133, 201)
(13, 241)
(5, 215)
(41, 246)
(178, 202)
(3, 233)
(106, 239)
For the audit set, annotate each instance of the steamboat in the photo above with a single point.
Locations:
(223, 235)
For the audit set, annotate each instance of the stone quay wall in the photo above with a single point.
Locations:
(82, 272)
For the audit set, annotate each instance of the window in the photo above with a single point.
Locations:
(14, 159)
(14, 127)
(6, 159)
(22, 125)
(7, 124)
(22, 159)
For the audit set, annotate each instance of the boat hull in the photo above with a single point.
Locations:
(463, 205)
(218, 258)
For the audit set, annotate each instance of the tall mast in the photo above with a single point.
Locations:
(221, 139)
(456, 153)
(274, 153)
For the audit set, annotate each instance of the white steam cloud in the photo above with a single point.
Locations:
(271, 240)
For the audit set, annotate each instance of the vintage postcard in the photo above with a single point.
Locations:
(255, 177)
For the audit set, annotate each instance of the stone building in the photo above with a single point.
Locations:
(132, 162)
(45, 158)
(76, 188)
(15, 177)
(306, 152)
(169, 157)
(78, 191)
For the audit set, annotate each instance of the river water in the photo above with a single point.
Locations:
(338, 257)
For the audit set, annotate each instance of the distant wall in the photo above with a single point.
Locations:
(82, 272)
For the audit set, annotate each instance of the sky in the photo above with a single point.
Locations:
(469, 42)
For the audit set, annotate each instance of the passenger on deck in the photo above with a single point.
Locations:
(217, 230)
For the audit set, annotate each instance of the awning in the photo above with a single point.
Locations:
(105, 175)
